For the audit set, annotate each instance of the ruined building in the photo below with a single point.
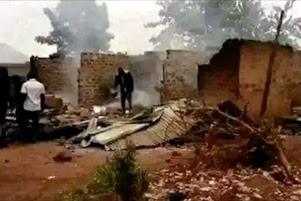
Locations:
(236, 73)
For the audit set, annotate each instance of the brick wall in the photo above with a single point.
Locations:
(51, 75)
(96, 76)
(286, 75)
(218, 81)
(147, 72)
(180, 74)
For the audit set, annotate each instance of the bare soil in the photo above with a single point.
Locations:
(29, 172)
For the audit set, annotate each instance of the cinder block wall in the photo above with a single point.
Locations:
(51, 74)
(96, 76)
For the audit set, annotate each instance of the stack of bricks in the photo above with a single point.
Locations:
(96, 76)
(51, 75)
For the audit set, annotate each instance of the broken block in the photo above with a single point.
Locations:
(52, 102)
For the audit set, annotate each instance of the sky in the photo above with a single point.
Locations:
(21, 21)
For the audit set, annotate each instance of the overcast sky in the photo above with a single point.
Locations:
(21, 21)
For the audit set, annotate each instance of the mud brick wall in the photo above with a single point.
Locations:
(286, 82)
(218, 81)
(286, 75)
(96, 76)
(147, 72)
(254, 61)
(51, 74)
(180, 71)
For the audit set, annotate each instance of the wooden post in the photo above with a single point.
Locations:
(268, 81)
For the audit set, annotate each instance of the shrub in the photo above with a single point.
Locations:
(121, 175)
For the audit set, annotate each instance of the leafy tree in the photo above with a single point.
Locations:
(200, 24)
(78, 26)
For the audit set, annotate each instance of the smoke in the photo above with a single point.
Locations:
(139, 98)
(70, 68)
(142, 98)
(78, 26)
(203, 26)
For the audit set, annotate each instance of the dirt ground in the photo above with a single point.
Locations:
(29, 172)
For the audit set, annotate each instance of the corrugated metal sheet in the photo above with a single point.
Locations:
(118, 132)
(152, 130)
(170, 126)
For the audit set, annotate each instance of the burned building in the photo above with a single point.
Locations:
(237, 73)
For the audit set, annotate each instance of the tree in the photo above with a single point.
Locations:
(78, 26)
(197, 25)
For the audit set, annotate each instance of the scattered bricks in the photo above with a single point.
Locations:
(53, 102)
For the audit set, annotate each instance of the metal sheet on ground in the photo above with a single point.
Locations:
(116, 133)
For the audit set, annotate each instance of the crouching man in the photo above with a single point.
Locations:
(33, 94)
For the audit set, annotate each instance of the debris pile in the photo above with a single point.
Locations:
(235, 159)
(213, 184)
(146, 129)
(231, 130)
(57, 118)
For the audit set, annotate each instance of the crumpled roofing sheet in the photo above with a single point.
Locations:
(162, 125)
(117, 132)
(170, 126)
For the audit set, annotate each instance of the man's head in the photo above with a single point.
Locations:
(120, 71)
(31, 76)
(16, 78)
(3, 73)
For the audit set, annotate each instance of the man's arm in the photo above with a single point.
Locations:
(117, 82)
(131, 82)
(43, 99)
(23, 94)
(42, 102)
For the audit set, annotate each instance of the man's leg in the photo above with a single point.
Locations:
(22, 121)
(3, 110)
(123, 99)
(25, 120)
(129, 98)
(35, 124)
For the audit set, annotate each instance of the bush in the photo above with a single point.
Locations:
(121, 175)
(77, 195)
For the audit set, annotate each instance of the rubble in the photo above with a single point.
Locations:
(235, 159)
(239, 183)
(52, 102)
(145, 129)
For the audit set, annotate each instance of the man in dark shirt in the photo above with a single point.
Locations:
(4, 96)
(126, 82)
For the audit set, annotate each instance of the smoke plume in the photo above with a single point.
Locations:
(78, 26)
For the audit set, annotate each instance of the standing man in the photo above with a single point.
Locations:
(33, 93)
(126, 82)
(4, 97)
(4, 93)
